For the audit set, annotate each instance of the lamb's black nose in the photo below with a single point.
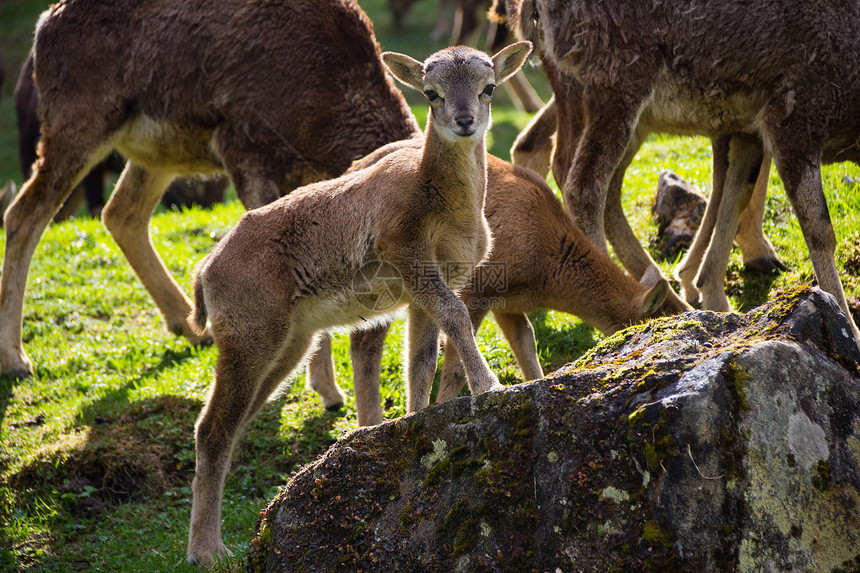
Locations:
(465, 121)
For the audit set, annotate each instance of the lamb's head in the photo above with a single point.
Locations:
(458, 83)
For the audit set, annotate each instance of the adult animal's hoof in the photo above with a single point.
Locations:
(765, 266)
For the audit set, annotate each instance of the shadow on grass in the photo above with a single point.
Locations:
(114, 403)
(8, 560)
(142, 452)
(7, 390)
(749, 288)
(269, 452)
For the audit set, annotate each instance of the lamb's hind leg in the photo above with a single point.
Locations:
(127, 216)
(366, 348)
(321, 375)
(67, 154)
(246, 376)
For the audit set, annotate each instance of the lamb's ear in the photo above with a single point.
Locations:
(408, 70)
(509, 59)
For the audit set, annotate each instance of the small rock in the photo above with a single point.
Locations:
(678, 209)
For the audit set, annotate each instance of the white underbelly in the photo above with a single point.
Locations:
(679, 107)
(161, 145)
(360, 304)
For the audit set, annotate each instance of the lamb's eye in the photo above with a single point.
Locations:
(432, 96)
(489, 90)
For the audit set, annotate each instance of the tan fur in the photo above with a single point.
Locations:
(276, 94)
(547, 263)
(288, 270)
(540, 259)
(535, 145)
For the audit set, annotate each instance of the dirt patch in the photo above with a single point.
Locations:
(147, 450)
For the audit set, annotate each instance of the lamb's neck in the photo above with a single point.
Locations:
(457, 170)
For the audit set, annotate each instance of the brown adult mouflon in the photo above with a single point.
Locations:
(551, 139)
(775, 78)
(274, 93)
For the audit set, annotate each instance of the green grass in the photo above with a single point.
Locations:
(96, 449)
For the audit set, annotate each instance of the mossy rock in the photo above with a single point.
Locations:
(705, 442)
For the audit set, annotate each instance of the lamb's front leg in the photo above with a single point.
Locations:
(365, 349)
(422, 350)
(452, 318)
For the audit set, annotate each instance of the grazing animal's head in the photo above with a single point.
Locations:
(458, 83)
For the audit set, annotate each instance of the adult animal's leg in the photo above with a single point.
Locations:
(758, 252)
(744, 162)
(127, 216)
(67, 153)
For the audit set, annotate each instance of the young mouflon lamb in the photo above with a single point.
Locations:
(540, 259)
(324, 256)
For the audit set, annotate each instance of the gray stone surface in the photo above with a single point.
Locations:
(706, 442)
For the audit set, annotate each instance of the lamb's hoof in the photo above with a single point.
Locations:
(207, 559)
(717, 303)
(765, 265)
(202, 341)
(691, 297)
(331, 396)
(193, 338)
(495, 387)
(336, 407)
